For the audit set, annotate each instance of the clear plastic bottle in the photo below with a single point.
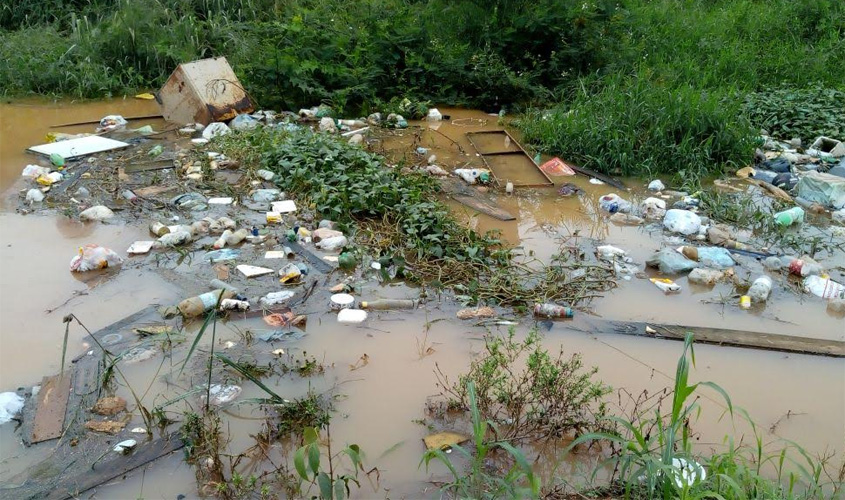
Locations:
(548, 310)
(386, 304)
(196, 306)
(158, 229)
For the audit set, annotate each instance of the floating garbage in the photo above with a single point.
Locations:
(715, 257)
(473, 175)
(389, 304)
(825, 288)
(111, 123)
(234, 305)
(788, 217)
(708, 277)
(34, 196)
(331, 244)
(282, 336)
(290, 273)
(614, 203)
(253, 271)
(215, 129)
(669, 261)
(93, 257)
(557, 167)
(656, 185)
(140, 247)
(222, 255)
(341, 301)
(351, 316)
(34, 171)
(174, 239)
(653, 208)
(96, 213)
(125, 447)
(222, 394)
(275, 298)
(666, 285)
(682, 221)
(244, 122)
(760, 289)
(265, 195)
(196, 306)
(626, 219)
(549, 310)
(10, 405)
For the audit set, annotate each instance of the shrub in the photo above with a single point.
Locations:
(798, 112)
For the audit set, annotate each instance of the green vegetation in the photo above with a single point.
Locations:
(326, 474)
(478, 481)
(656, 456)
(805, 113)
(526, 392)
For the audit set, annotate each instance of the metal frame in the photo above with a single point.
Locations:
(520, 151)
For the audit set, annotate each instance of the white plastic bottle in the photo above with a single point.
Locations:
(760, 289)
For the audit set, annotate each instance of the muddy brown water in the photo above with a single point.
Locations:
(378, 406)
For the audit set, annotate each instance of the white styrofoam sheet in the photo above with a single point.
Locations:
(78, 147)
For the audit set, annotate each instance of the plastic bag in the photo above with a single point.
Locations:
(656, 185)
(682, 221)
(671, 262)
(95, 213)
(653, 208)
(112, 122)
(244, 122)
(334, 243)
(614, 203)
(215, 129)
(829, 190)
(92, 257)
(714, 257)
(34, 171)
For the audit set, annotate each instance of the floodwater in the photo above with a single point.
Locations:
(378, 406)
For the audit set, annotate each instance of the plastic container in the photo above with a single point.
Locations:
(234, 305)
(760, 289)
(387, 304)
(745, 302)
(158, 229)
(473, 175)
(825, 288)
(666, 285)
(196, 306)
(789, 217)
(352, 316)
(340, 301)
(290, 273)
(805, 266)
(549, 310)
(230, 237)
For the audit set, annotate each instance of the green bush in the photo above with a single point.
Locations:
(798, 112)
(630, 125)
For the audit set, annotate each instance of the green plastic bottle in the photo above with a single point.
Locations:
(789, 217)
(57, 160)
(347, 261)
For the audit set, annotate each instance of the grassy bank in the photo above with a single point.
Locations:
(636, 87)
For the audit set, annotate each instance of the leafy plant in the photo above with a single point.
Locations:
(324, 474)
(655, 457)
(479, 482)
(526, 392)
(805, 113)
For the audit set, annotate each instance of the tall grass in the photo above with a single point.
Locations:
(657, 459)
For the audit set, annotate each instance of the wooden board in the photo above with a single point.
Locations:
(73, 148)
(735, 338)
(483, 207)
(52, 404)
(117, 466)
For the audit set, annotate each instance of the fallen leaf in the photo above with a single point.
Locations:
(444, 440)
(481, 312)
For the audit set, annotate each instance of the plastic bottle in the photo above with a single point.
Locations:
(825, 288)
(805, 266)
(760, 289)
(548, 310)
(230, 237)
(335, 243)
(174, 239)
(158, 229)
(196, 306)
(789, 217)
(386, 304)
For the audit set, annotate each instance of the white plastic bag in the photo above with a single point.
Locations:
(92, 257)
(95, 213)
(215, 129)
(682, 221)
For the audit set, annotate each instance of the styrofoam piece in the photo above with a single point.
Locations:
(73, 148)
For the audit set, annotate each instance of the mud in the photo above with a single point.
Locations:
(378, 406)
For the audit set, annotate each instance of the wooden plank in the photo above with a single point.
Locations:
(77, 173)
(116, 466)
(483, 207)
(315, 261)
(88, 122)
(52, 404)
(735, 338)
(146, 192)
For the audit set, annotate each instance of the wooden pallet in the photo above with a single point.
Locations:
(507, 160)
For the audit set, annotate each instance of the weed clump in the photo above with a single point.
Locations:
(805, 113)
(528, 393)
